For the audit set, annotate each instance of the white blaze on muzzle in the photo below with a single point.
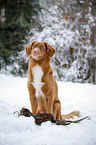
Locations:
(35, 53)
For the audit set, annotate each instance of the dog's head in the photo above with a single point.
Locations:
(39, 50)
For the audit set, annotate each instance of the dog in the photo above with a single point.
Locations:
(42, 86)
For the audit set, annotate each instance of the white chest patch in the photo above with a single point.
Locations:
(37, 73)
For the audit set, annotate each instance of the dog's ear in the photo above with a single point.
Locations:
(29, 48)
(50, 50)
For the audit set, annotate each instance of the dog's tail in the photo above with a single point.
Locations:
(70, 115)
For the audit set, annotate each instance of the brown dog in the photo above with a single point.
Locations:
(43, 90)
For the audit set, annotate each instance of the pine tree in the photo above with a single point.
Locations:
(16, 19)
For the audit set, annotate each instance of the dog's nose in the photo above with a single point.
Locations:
(35, 51)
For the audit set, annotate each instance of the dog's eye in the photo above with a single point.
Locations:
(42, 48)
(34, 46)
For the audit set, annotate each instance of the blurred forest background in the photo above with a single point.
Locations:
(68, 25)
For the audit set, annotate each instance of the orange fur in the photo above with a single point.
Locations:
(39, 54)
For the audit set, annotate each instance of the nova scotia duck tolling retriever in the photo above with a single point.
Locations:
(42, 86)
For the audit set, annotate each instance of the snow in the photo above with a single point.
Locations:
(23, 131)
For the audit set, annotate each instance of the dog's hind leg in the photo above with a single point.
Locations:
(57, 109)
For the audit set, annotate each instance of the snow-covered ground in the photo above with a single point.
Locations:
(23, 131)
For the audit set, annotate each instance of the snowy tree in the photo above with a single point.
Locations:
(70, 33)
